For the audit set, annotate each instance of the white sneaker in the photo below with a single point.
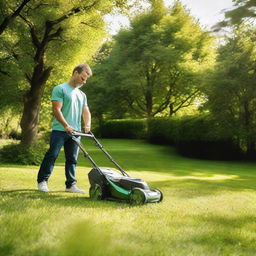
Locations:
(42, 186)
(74, 189)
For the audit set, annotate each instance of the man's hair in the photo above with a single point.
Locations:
(82, 67)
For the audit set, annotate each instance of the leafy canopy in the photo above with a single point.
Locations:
(154, 66)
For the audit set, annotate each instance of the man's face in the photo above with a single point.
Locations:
(80, 79)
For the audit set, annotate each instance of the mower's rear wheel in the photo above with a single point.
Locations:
(137, 196)
(96, 192)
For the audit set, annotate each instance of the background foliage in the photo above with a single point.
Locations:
(154, 67)
(163, 65)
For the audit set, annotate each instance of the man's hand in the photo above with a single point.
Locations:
(87, 129)
(68, 128)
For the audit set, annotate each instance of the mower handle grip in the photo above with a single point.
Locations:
(82, 134)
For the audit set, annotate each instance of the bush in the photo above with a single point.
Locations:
(163, 130)
(195, 136)
(17, 153)
(124, 128)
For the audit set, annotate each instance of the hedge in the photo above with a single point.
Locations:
(163, 130)
(124, 128)
(195, 136)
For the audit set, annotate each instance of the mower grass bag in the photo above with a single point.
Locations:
(109, 184)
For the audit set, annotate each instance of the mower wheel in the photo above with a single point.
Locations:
(161, 194)
(137, 196)
(96, 192)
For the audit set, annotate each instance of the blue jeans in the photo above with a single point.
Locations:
(58, 139)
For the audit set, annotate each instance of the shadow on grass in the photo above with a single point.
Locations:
(192, 188)
(178, 186)
(18, 200)
(164, 159)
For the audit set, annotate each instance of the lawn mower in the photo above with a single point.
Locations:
(109, 184)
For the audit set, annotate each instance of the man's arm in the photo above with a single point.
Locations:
(56, 109)
(87, 119)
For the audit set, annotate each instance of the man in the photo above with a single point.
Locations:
(69, 104)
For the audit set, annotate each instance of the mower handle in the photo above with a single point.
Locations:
(91, 135)
(82, 134)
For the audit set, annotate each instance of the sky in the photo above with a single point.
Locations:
(209, 12)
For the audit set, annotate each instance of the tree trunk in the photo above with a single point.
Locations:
(250, 152)
(149, 103)
(171, 111)
(32, 103)
(250, 144)
(30, 117)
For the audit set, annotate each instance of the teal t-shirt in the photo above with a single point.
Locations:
(73, 100)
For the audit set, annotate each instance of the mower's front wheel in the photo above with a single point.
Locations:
(96, 192)
(137, 196)
(160, 193)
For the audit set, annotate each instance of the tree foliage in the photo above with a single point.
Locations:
(243, 10)
(231, 87)
(46, 37)
(154, 66)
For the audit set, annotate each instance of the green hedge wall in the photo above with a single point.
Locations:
(124, 128)
(195, 136)
(163, 130)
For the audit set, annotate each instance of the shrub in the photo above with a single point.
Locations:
(163, 130)
(124, 128)
(17, 153)
(195, 136)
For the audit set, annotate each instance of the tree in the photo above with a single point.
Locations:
(243, 10)
(44, 38)
(154, 66)
(106, 101)
(230, 88)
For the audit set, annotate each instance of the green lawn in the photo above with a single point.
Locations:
(209, 208)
